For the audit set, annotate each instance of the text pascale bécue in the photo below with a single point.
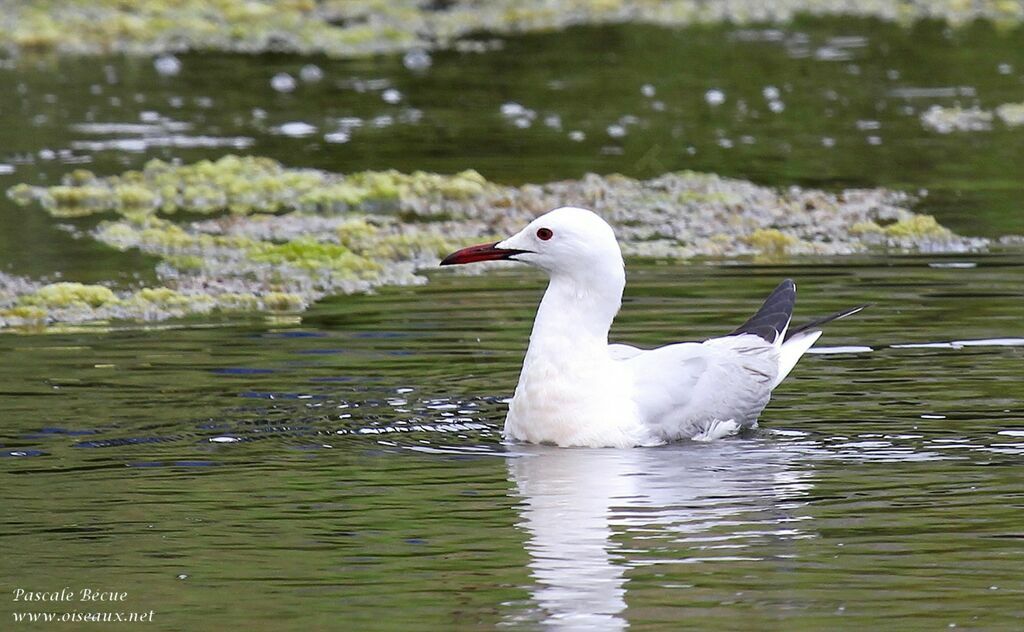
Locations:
(67, 594)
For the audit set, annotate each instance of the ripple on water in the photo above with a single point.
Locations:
(960, 344)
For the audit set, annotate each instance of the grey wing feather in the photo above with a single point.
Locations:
(682, 388)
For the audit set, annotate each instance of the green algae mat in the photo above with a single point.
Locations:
(345, 28)
(284, 238)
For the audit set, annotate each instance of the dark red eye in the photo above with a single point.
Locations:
(544, 234)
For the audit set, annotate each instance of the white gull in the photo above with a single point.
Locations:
(575, 389)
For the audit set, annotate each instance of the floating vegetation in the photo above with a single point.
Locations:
(1011, 114)
(772, 241)
(24, 303)
(240, 185)
(253, 235)
(956, 119)
(346, 28)
(70, 295)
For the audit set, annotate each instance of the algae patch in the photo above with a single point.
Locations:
(33, 304)
(240, 185)
(270, 238)
(347, 28)
(771, 241)
(945, 120)
(70, 295)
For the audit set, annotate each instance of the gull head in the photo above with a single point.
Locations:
(568, 240)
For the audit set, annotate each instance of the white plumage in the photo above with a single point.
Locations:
(577, 390)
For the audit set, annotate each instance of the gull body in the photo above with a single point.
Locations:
(576, 389)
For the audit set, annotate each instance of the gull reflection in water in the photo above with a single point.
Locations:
(576, 504)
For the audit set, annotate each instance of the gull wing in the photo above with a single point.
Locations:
(683, 390)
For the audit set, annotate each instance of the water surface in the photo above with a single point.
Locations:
(349, 470)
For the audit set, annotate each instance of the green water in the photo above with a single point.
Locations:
(346, 471)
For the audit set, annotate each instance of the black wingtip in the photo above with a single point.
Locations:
(818, 322)
(774, 315)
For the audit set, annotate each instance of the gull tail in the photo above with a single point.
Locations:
(797, 341)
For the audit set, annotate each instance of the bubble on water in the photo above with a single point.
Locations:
(616, 130)
(714, 97)
(391, 96)
(648, 90)
(47, 154)
(520, 116)
(776, 106)
(182, 576)
(828, 141)
(417, 60)
(577, 136)
(874, 140)
(283, 82)
(224, 439)
(690, 149)
(311, 73)
(771, 93)
(553, 121)
(167, 65)
(512, 109)
(349, 122)
(1004, 68)
(892, 74)
(725, 143)
(295, 129)
(658, 106)
(338, 137)
(6, 169)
